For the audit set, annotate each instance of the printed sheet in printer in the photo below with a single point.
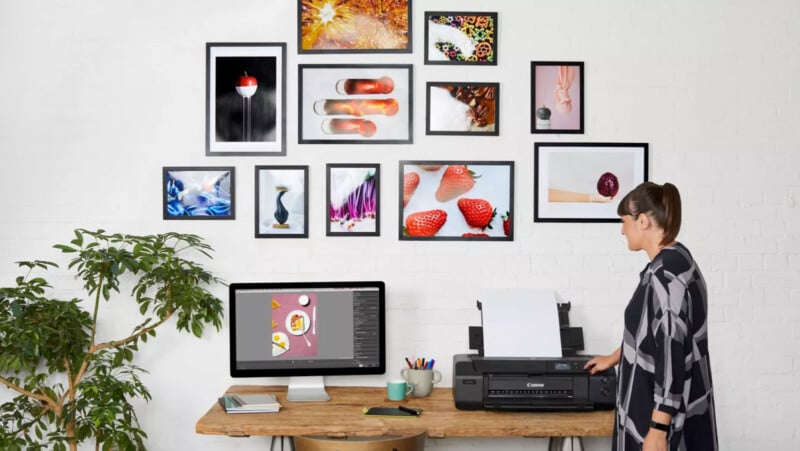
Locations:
(520, 323)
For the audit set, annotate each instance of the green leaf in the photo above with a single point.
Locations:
(38, 281)
(64, 248)
(78, 241)
(197, 328)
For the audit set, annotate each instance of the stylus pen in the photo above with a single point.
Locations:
(409, 410)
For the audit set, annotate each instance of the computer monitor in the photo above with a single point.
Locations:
(307, 330)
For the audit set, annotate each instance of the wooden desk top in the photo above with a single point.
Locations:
(342, 416)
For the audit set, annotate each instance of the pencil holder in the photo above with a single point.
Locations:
(421, 380)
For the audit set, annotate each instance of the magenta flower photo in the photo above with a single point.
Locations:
(353, 199)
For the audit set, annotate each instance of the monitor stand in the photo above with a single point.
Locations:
(307, 388)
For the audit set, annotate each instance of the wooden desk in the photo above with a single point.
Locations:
(342, 416)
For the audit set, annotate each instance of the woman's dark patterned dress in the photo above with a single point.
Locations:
(664, 362)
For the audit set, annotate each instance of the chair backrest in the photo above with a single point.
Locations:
(317, 443)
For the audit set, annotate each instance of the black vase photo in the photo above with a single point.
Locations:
(281, 213)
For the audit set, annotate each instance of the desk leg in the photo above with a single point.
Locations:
(565, 444)
(283, 439)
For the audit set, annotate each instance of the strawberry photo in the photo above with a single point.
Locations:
(456, 200)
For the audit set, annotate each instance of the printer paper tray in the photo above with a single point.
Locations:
(540, 407)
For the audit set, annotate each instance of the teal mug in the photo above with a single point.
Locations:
(398, 389)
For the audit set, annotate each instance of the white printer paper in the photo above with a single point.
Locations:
(520, 323)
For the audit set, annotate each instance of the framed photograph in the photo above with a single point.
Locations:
(556, 97)
(583, 182)
(461, 38)
(457, 200)
(353, 200)
(355, 104)
(198, 192)
(245, 99)
(463, 109)
(354, 26)
(281, 201)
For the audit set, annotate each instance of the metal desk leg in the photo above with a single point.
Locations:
(565, 444)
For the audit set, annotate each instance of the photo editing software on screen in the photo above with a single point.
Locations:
(306, 328)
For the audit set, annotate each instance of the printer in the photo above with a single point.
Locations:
(532, 383)
(519, 383)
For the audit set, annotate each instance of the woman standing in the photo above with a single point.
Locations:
(665, 398)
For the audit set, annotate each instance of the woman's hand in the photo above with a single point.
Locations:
(602, 362)
(655, 440)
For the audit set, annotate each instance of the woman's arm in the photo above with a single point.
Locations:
(560, 195)
(670, 336)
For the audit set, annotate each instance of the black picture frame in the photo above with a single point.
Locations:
(281, 196)
(462, 108)
(198, 192)
(352, 194)
(350, 26)
(430, 193)
(461, 38)
(554, 108)
(572, 181)
(245, 99)
(355, 104)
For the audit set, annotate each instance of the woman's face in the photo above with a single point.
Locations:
(632, 232)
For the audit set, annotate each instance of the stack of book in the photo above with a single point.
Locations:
(249, 403)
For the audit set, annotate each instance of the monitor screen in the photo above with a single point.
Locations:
(307, 328)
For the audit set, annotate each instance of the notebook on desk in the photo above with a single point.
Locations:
(249, 403)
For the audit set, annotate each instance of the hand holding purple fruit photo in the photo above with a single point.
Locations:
(607, 188)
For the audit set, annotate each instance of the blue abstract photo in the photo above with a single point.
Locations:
(198, 192)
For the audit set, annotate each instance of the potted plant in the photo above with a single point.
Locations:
(70, 385)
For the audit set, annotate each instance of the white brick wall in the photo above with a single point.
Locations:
(98, 96)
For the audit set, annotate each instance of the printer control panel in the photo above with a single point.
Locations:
(567, 366)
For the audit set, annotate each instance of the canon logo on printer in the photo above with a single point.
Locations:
(534, 385)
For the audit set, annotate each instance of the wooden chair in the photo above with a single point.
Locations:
(319, 443)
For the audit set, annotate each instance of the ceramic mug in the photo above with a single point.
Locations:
(397, 390)
(421, 380)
